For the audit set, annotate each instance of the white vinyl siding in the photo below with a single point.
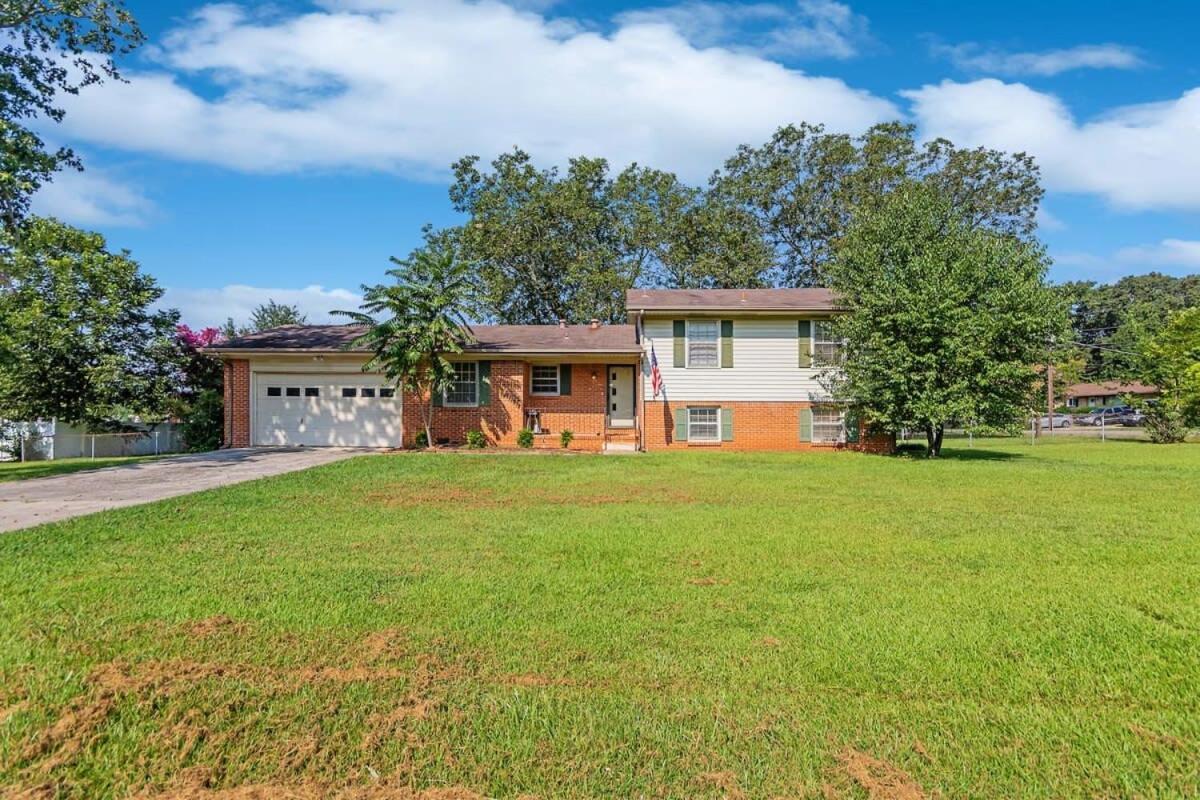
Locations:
(703, 344)
(764, 364)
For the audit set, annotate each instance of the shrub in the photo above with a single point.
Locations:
(1165, 423)
(202, 421)
(421, 439)
(565, 437)
(525, 438)
(475, 440)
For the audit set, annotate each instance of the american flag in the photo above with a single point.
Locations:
(655, 375)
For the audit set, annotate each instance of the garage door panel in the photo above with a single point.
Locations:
(325, 410)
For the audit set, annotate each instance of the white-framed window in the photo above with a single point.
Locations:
(827, 424)
(827, 348)
(704, 425)
(544, 379)
(464, 390)
(704, 343)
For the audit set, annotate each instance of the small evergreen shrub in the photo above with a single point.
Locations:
(475, 440)
(525, 438)
(565, 437)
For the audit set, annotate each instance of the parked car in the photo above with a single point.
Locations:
(1060, 421)
(1105, 415)
(1131, 417)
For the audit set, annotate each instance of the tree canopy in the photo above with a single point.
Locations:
(1172, 362)
(551, 245)
(1114, 322)
(804, 186)
(79, 338)
(948, 320)
(414, 323)
(264, 317)
(51, 47)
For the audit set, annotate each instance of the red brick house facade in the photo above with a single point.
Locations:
(735, 371)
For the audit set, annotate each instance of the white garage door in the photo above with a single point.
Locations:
(325, 410)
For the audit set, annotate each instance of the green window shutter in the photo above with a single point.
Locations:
(852, 425)
(681, 422)
(484, 376)
(726, 343)
(804, 337)
(726, 424)
(806, 424)
(564, 379)
(679, 331)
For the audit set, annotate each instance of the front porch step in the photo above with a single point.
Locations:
(620, 447)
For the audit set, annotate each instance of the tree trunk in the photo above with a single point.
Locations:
(933, 438)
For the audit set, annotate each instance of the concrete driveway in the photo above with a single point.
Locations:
(39, 500)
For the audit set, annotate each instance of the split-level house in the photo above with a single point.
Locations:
(732, 369)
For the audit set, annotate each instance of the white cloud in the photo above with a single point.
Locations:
(203, 307)
(1167, 253)
(972, 57)
(92, 198)
(413, 84)
(803, 29)
(1136, 157)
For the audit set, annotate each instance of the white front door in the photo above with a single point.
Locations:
(620, 397)
(325, 410)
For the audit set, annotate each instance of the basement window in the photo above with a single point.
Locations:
(827, 425)
(704, 425)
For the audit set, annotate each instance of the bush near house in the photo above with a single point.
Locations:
(566, 437)
(525, 438)
(476, 440)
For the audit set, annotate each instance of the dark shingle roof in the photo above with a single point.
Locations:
(730, 300)
(488, 339)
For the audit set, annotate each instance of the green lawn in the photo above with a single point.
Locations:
(19, 471)
(1007, 622)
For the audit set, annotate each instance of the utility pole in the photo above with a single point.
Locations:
(1050, 396)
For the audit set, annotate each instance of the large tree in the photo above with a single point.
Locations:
(554, 245)
(413, 323)
(264, 317)
(804, 186)
(51, 47)
(79, 338)
(1115, 322)
(947, 319)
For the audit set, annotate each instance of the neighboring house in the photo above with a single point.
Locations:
(739, 369)
(1095, 395)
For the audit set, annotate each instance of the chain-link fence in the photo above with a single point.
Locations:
(54, 446)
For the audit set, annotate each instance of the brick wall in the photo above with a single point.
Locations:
(582, 411)
(756, 426)
(499, 420)
(237, 403)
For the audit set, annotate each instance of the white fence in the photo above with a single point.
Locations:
(65, 442)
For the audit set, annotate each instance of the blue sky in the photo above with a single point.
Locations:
(287, 149)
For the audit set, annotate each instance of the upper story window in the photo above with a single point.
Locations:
(464, 390)
(703, 343)
(827, 348)
(544, 379)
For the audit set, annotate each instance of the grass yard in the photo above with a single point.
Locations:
(19, 471)
(1008, 622)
